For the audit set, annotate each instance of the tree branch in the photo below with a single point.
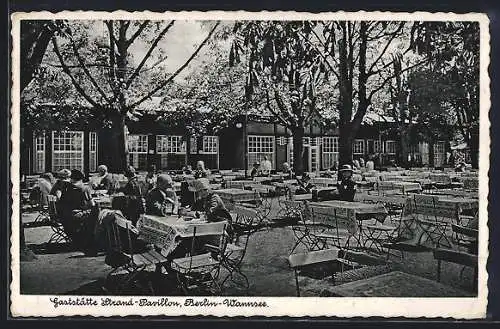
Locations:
(179, 70)
(382, 53)
(276, 114)
(137, 33)
(148, 54)
(374, 91)
(86, 70)
(68, 72)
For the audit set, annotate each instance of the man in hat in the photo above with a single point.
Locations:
(346, 186)
(61, 184)
(208, 202)
(255, 170)
(162, 197)
(78, 212)
(135, 202)
(107, 182)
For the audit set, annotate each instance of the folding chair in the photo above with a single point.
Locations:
(235, 249)
(59, 235)
(465, 237)
(433, 218)
(122, 257)
(304, 230)
(457, 257)
(331, 227)
(300, 260)
(386, 188)
(197, 270)
(39, 203)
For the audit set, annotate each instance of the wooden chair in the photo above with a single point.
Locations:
(331, 227)
(300, 260)
(305, 229)
(465, 237)
(457, 257)
(39, 203)
(122, 257)
(59, 235)
(235, 250)
(197, 270)
(386, 188)
(434, 218)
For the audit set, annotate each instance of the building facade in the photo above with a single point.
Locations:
(243, 142)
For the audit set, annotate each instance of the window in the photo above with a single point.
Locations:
(67, 150)
(170, 144)
(138, 151)
(92, 152)
(290, 151)
(193, 149)
(424, 151)
(377, 146)
(330, 149)
(260, 146)
(306, 141)
(358, 147)
(439, 154)
(390, 147)
(210, 144)
(39, 154)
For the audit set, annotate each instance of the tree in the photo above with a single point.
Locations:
(453, 50)
(299, 58)
(285, 68)
(108, 76)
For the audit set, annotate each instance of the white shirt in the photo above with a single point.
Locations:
(266, 166)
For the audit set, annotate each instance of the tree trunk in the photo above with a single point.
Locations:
(473, 144)
(431, 153)
(298, 149)
(405, 148)
(345, 145)
(116, 153)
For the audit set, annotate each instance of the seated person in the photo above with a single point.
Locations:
(304, 184)
(79, 213)
(461, 167)
(135, 202)
(187, 170)
(255, 171)
(208, 202)
(61, 184)
(151, 177)
(356, 164)
(42, 189)
(361, 162)
(346, 186)
(370, 165)
(162, 199)
(200, 171)
(107, 182)
(287, 171)
(265, 166)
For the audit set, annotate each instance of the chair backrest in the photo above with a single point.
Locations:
(430, 205)
(340, 218)
(466, 231)
(457, 257)
(244, 211)
(52, 203)
(207, 229)
(440, 178)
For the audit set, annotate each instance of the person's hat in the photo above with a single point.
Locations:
(130, 172)
(346, 167)
(201, 184)
(256, 163)
(64, 174)
(102, 168)
(164, 181)
(76, 175)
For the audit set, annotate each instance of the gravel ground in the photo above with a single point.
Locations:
(59, 271)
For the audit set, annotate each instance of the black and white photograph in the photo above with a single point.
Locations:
(209, 163)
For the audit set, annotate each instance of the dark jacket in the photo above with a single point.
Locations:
(346, 189)
(213, 207)
(157, 202)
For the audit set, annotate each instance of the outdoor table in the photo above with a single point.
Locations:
(463, 203)
(396, 284)
(456, 193)
(395, 200)
(407, 187)
(166, 232)
(103, 201)
(323, 181)
(302, 197)
(239, 184)
(234, 195)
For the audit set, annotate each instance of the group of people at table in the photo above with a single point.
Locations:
(78, 212)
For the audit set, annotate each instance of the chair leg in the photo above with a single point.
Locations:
(296, 282)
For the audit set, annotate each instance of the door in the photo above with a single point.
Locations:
(313, 159)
